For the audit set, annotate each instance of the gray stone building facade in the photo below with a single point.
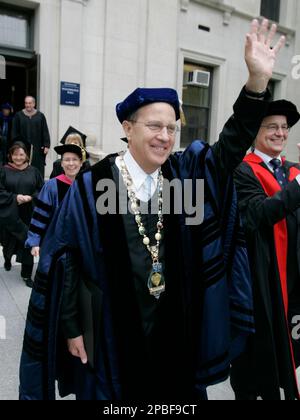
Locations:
(106, 48)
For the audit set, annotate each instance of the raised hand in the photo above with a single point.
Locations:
(260, 56)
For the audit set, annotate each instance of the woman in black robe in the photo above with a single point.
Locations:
(20, 183)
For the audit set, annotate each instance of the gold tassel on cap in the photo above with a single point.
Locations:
(83, 154)
(83, 151)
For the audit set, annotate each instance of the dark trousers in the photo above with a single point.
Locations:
(26, 270)
(242, 375)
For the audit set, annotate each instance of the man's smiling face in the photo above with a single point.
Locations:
(272, 136)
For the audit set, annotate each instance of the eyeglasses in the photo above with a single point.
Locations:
(273, 128)
(157, 127)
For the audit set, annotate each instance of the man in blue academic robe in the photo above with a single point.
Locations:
(151, 308)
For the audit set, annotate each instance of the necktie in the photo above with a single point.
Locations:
(279, 172)
(147, 185)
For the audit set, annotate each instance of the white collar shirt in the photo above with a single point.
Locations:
(266, 159)
(139, 177)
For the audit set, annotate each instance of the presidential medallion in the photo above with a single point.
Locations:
(156, 281)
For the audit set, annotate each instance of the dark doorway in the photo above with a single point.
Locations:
(21, 80)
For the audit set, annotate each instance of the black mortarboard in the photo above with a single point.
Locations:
(145, 96)
(286, 108)
(72, 130)
(70, 148)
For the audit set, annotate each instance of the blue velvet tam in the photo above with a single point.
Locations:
(145, 96)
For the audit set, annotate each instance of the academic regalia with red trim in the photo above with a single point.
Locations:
(49, 200)
(271, 217)
(57, 168)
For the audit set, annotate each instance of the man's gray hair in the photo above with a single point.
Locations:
(32, 97)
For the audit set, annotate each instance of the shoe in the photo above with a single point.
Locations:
(7, 265)
(28, 282)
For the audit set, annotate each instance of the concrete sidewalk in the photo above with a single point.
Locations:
(14, 297)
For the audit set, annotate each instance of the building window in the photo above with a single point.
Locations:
(15, 27)
(270, 9)
(272, 87)
(196, 97)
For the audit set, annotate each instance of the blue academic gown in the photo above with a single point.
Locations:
(213, 288)
(48, 201)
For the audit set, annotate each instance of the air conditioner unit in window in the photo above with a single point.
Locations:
(198, 78)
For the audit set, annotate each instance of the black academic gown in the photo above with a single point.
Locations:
(268, 365)
(16, 218)
(33, 130)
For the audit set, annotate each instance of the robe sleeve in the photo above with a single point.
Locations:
(67, 232)
(6, 197)
(256, 207)
(69, 309)
(42, 214)
(71, 237)
(76, 232)
(45, 133)
(239, 132)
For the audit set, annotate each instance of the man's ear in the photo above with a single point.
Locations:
(127, 127)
